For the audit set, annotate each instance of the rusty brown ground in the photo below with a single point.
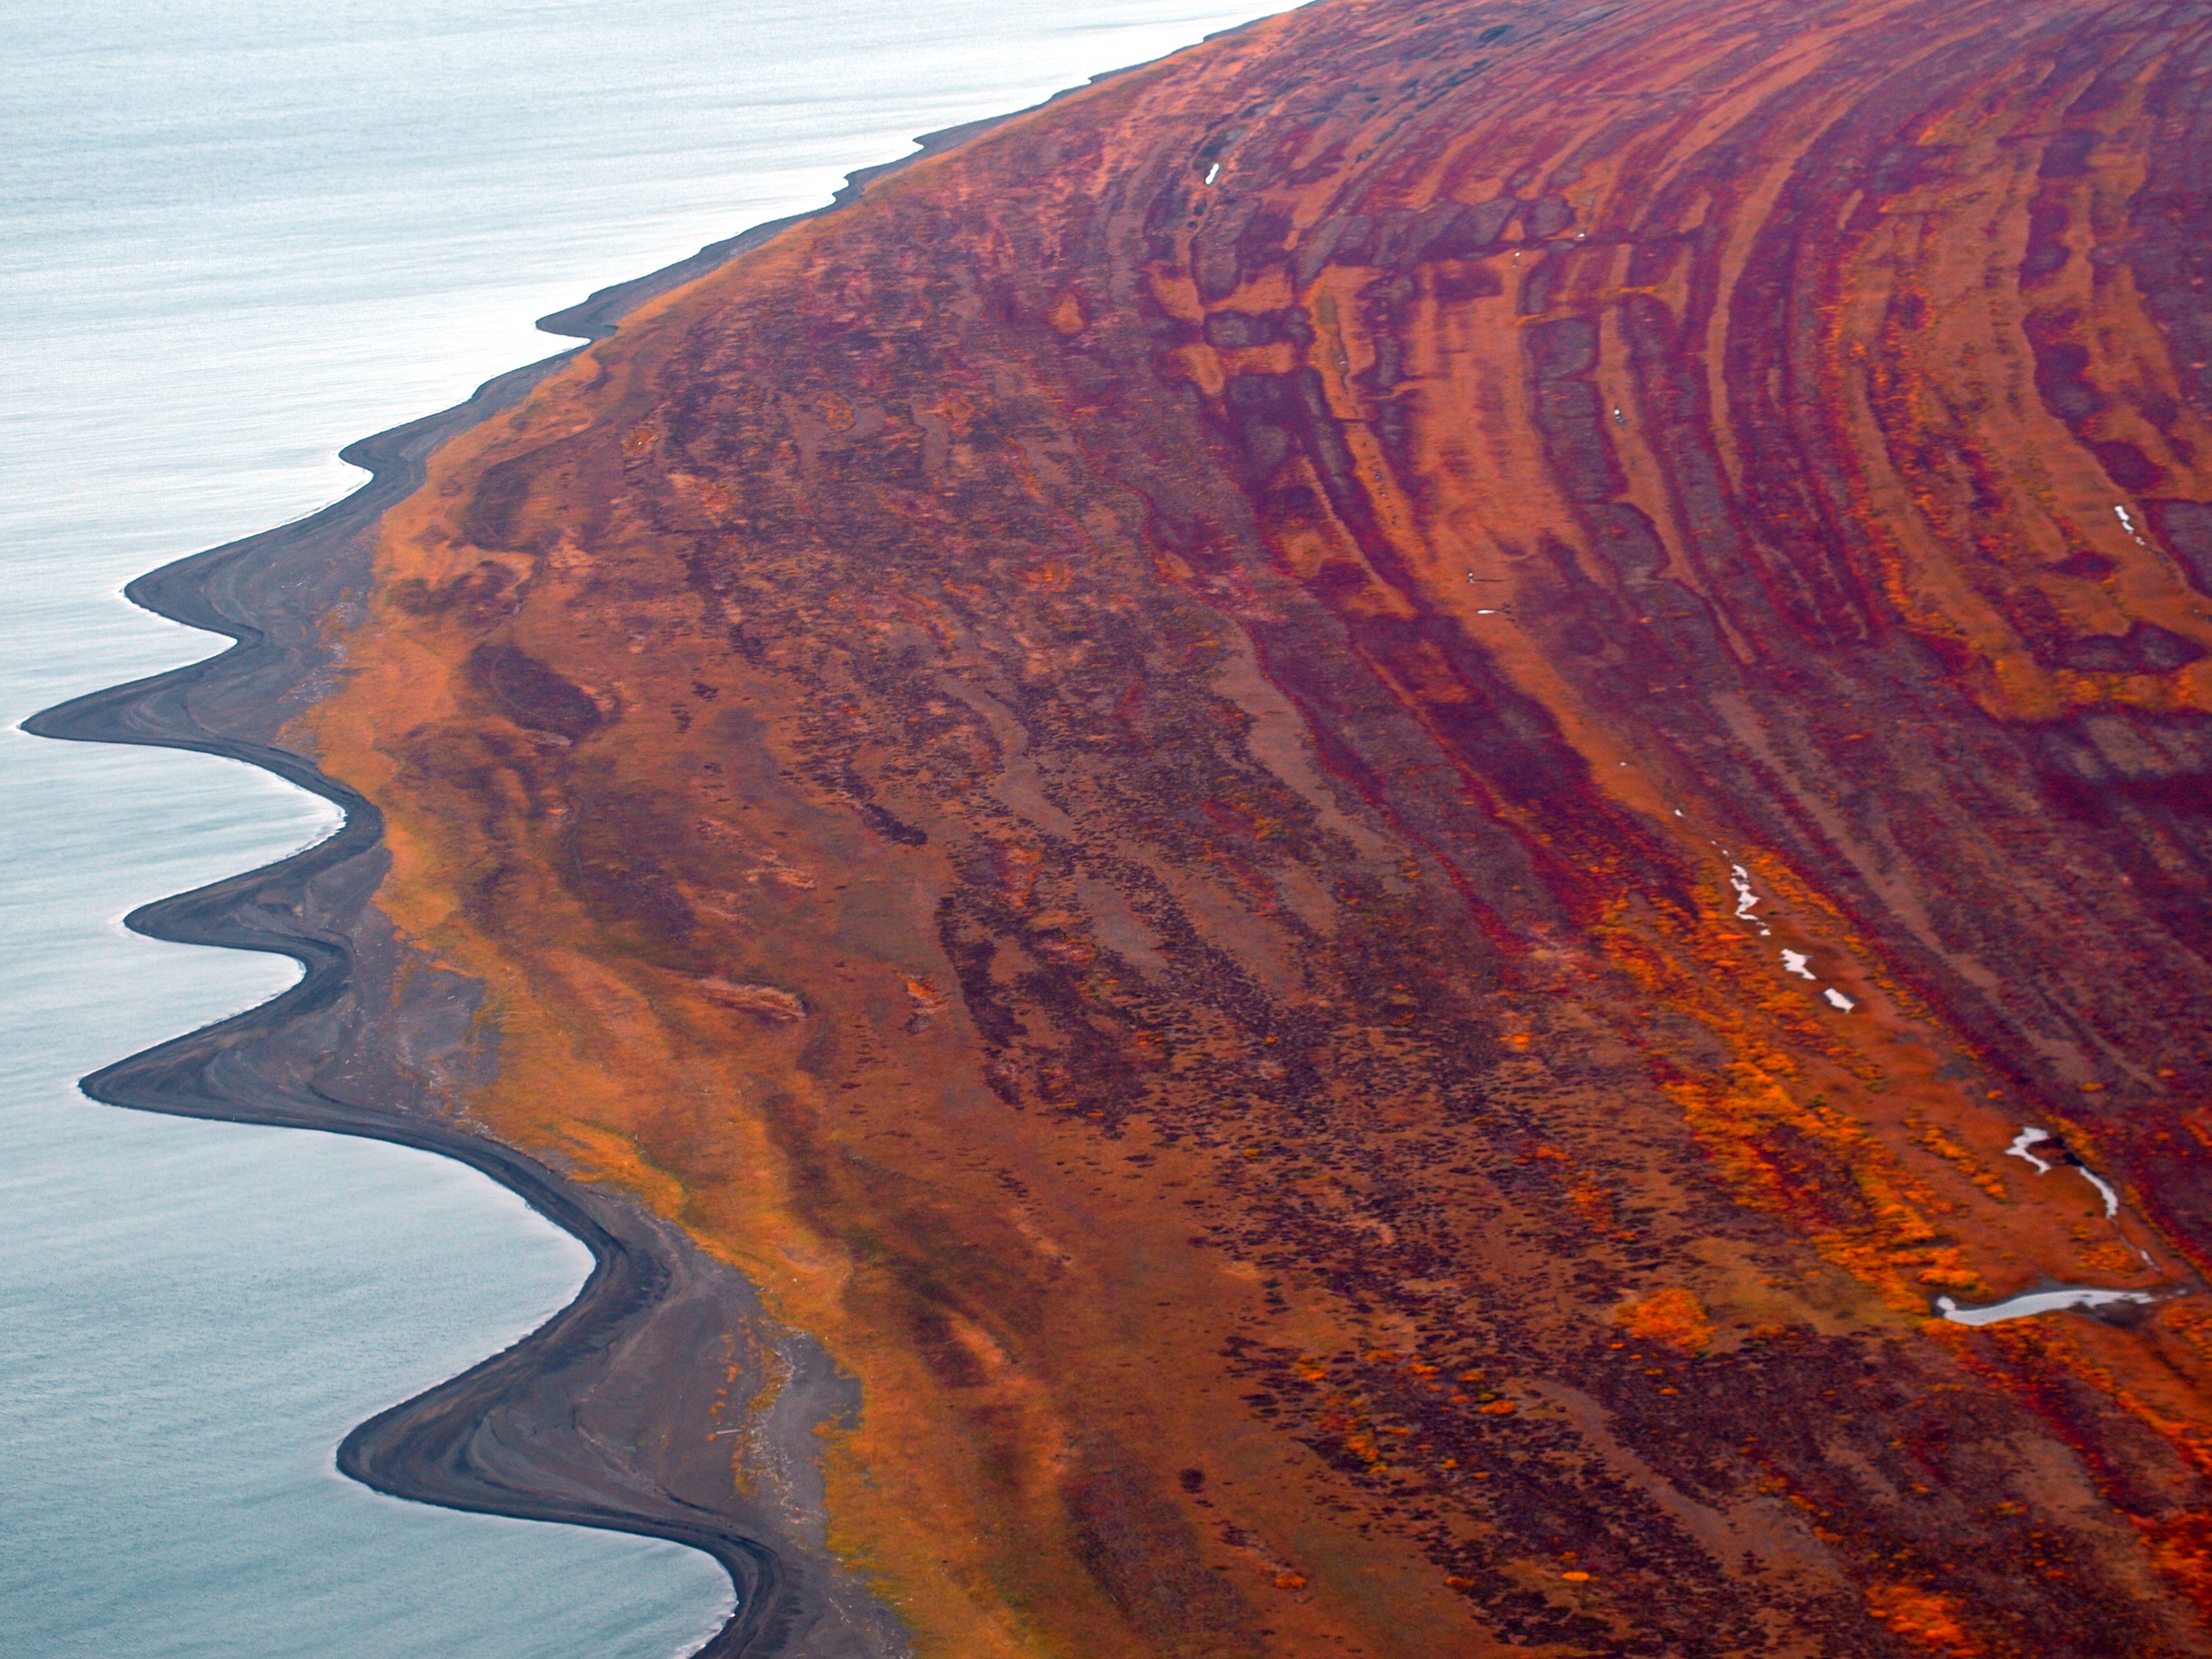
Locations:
(1118, 771)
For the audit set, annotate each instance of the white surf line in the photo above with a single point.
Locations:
(2028, 1303)
(2028, 1135)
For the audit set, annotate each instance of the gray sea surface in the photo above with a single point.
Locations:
(239, 235)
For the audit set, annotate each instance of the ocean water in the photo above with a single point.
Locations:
(241, 234)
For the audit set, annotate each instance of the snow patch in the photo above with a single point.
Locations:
(2112, 1197)
(1740, 878)
(2027, 1137)
(2028, 1303)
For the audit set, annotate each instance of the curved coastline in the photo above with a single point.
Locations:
(507, 1436)
(422, 1448)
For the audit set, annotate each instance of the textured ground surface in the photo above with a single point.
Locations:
(1129, 772)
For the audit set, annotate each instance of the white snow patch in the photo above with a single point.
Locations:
(1214, 173)
(1740, 878)
(1797, 962)
(1747, 899)
(2112, 1197)
(2028, 1303)
(2028, 1135)
(1838, 999)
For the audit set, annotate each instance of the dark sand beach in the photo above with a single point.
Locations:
(606, 1415)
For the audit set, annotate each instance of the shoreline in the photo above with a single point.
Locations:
(469, 1443)
(621, 1365)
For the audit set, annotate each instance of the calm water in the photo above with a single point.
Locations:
(239, 235)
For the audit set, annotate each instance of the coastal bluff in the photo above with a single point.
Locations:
(1365, 814)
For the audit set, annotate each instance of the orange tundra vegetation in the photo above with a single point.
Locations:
(1211, 774)
(1670, 1316)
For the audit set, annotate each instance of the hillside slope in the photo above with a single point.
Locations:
(1344, 797)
